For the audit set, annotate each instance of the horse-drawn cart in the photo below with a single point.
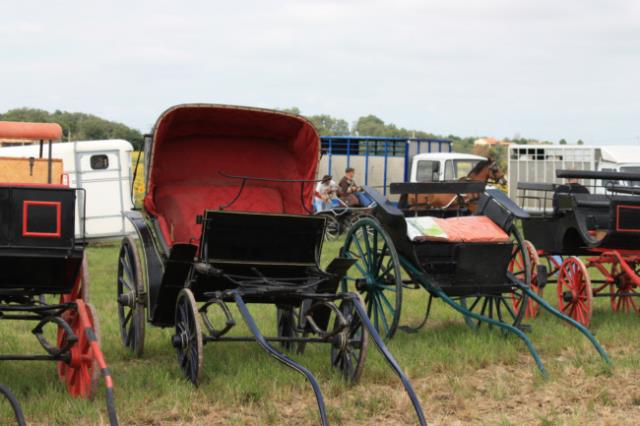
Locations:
(226, 218)
(40, 256)
(601, 224)
(476, 263)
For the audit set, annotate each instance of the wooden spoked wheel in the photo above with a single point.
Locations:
(376, 275)
(508, 307)
(517, 267)
(332, 227)
(574, 290)
(131, 311)
(188, 338)
(287, 325)
(82, 372)
(623, 290)
(349, 347)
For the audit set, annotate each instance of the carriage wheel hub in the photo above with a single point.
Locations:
(340, 341)
(567, 296)
(127, 299)
(362, 284)
(180, 341)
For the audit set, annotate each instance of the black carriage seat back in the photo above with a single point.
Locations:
(594, 209)
(260, 238)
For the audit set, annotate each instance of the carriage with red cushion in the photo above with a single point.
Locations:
(476, 263)
(227, 219)
(44, 269)
(587, 228)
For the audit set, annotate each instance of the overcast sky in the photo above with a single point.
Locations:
(541, 69)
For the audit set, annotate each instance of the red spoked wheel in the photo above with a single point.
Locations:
(82, 372)
(517, 268)
(574, 290)
(623, 289)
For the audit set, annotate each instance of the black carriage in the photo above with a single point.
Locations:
(475, 260)
(580, 227)
(42, 259)
(341, 217)
(226, 218)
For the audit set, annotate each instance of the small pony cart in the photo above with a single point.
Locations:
(599, 222)
(226, 218)
(476, 263)
(40, 255)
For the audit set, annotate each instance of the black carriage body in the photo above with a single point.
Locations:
(38, 249)
(573, 226)
(458, 268)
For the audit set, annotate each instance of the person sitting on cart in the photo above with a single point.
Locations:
(571, 187)
(325, 193)
(350, 192)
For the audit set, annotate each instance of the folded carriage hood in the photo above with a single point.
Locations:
(193, 144)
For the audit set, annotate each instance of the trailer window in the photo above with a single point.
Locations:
(427, 171)
(99, 162)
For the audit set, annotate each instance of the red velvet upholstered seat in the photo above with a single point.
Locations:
(179, 205)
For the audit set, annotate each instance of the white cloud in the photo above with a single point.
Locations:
(539, 68)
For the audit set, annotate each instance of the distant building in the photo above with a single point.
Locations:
(488, 141)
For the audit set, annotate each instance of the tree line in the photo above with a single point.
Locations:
(82, 126)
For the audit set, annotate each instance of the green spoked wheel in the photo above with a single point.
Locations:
(376, 275)
(508, 307)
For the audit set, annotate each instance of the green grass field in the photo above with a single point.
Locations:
(462, 377)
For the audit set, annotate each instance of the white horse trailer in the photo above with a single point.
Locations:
(538, 163)
(103, 169)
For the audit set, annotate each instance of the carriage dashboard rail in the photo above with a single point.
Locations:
(591, 174)
(244, 180)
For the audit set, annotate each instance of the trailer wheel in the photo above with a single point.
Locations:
(574, 290)
(131, 308)
(188, 338)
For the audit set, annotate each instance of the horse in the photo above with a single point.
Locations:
(484, 171)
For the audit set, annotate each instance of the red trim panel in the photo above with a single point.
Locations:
(25, 216)
(618, 228)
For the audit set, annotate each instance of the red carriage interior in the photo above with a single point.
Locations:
(194, 144)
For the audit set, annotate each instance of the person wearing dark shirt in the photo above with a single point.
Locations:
(350, 192)
(571, 187)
